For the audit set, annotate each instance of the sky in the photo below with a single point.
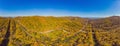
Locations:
(81, 8)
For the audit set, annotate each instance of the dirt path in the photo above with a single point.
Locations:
(5, 41)
(95, 40)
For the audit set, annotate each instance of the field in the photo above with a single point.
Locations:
(59, 31)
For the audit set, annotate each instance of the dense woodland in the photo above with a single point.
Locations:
(59, 31)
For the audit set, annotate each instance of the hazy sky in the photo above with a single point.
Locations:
(82, 8)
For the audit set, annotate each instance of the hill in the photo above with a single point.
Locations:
(59, 31)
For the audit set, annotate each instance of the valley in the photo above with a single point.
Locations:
(59, 31)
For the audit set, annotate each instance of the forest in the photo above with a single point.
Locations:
(59, 31)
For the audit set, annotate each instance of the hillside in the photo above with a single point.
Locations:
(107, 23)
(107, 30)
(59, 31)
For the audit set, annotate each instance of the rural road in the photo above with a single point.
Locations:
(5, 41)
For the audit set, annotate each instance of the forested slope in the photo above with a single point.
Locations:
(60, 31)
(107, 30)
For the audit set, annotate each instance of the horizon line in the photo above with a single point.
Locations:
(61, 16)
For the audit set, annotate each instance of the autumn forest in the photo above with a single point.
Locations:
(59, 31)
